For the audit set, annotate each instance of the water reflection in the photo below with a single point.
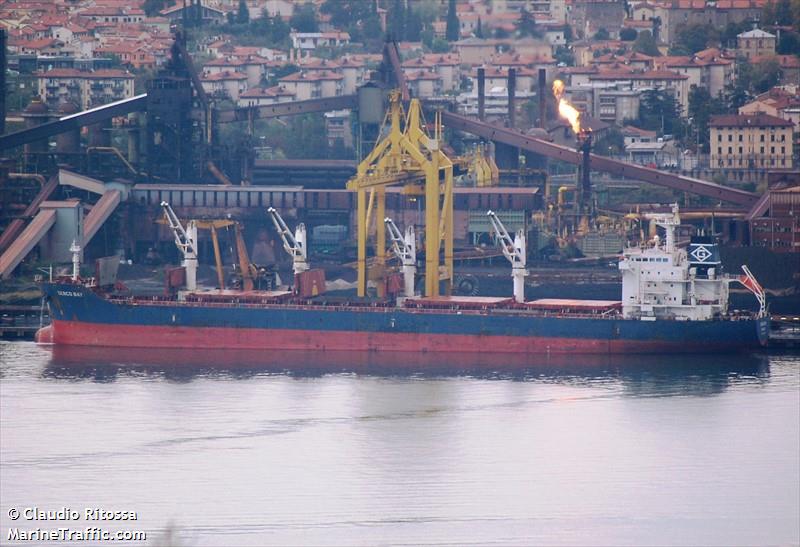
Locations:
(642, 375)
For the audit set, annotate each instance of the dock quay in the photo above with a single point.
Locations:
(21, 322)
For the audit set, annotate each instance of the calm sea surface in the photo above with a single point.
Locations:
(218, 450)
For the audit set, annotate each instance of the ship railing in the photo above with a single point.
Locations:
(374, 307)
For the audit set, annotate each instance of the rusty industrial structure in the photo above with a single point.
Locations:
(175, 155)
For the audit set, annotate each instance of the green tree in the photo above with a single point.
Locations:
(279, 30)
(357, 17)
(646, 44)
(695, 37)
(564, 55)
(660, 111)
(627, 34)
(397, 20)
(789, 44)
(610, 143)
(783, 12)
(731, 31)
(737, 93)
(796, 15)
(304, 19)
(769, 14)
(440, 46)
(243, 14)
(453, 28)
(152, 7)
(526, 24)
(765, 75)
(602, 34)
(479, 29)
(428, 12)
(701, 107)
(413, 25)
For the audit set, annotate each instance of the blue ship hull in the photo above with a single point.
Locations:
(82, 317)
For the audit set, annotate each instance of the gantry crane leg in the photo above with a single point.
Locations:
(380, 236)
(447, 229)
(361, 214)
(432, 235)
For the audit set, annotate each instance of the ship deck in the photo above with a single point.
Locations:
(499, 306)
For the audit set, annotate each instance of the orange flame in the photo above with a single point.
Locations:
(566, 110)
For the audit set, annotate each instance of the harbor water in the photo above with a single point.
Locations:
(233, 449)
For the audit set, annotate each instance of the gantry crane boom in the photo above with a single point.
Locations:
(294, 244)
(514, 251)
(405, 249)
(186, 241)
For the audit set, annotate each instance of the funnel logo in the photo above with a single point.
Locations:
(701, 253)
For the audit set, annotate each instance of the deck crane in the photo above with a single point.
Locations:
(294, 244)
(186, 241)
(405, 248)
(514, 251)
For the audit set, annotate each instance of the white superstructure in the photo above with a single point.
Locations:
(662, 281)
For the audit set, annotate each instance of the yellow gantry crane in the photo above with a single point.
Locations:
(406, 155)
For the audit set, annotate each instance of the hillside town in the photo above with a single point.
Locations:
(680, 84)
(707, 89)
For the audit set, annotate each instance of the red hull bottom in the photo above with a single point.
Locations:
(197, 338)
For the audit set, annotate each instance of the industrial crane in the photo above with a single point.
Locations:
(407, 155)
(405, 249)
(514, 251)
(186, 240)
(295, 244)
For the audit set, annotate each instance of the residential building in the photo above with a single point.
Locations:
(755, 43)
(423, 83)
(313, 85)
(474, 51)
(262, 96)
(610, 103)
(782, 102)
(631, 135)
(226, 84)
(587, 17)
(674, 14)
(354, 74)
(497, 78)
(281, 8)
(641, 80)
(112, 16)
(750, 141)
(208, 12)
(338, 128)
(309, 41)
(519, 61)
(713, 72)
(789, 66)
(446, 66)
(87, 89)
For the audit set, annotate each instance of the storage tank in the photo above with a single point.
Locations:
(35, 114)
(68, 143)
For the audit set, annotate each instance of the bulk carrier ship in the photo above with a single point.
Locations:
(673, 300)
